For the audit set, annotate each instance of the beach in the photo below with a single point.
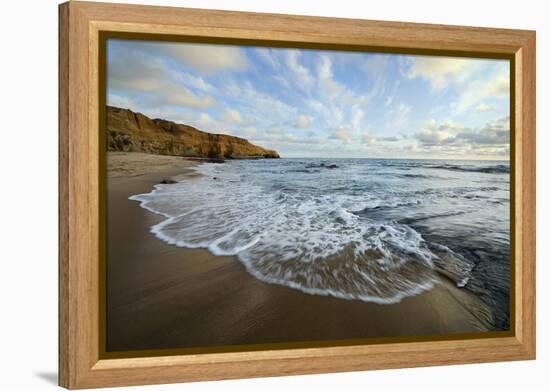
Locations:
(160, 296)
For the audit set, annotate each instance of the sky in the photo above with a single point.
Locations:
(320, 103)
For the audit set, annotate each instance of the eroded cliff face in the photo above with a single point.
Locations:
(134, 132)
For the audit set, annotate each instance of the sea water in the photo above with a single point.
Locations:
(376, 230)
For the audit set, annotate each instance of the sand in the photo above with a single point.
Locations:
(161, 296)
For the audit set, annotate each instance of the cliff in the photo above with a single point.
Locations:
(134, 132)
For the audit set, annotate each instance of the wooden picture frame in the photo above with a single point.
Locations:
(81, 364)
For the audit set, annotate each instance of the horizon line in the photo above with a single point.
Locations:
(392, 158)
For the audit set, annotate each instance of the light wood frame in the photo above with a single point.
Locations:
(80, 24)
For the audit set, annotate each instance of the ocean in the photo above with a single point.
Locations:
(375, 230)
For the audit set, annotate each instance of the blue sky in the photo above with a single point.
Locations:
(313, 103)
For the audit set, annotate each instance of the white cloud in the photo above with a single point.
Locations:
(332, 90)
(303, 122)
(433, 136)
(120, 101)
(389, 139)
(262, 105)
(300, 74)
(207, 58)
(498, 87)
(267, 56)
(368, 139)
(402, 110)
(316, 102)
(356, 116)
(193, 81)
(185, 97)
(397, 115)
(441, 71)
(468, 75)
(437, 133)
(206, 122)
(375, 65)
(132, 71)
(483, 108)
(275, 136)
(336, 114)
(231, 116)
(324, 74)
(291, 138)
(493, 138)
(247, 132)
(315, 105)
(342, 134)
(273, 130)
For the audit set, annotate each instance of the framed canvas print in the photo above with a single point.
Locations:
(251, 195)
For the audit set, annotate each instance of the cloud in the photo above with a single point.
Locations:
(324, 74)
(120, 101)
(273, 130)
(356, 116)
(315, 105)
(303, 122)
(440, 71)
(342, 134)
(397, 115)
(333, 90)
(483, 108)
(402, 110)
(185, 97)
(496, 87)
(368, 139)
(231, 116)
(207, 58)
(319, 103)
(376, 64)
(389, 139)
(132, 72)
(193, 81)
(260, 104)
(495, 134)
(267, 56)
(476, 80)
(434, 137)
(499, 86)
(300, 74)
(246, 132)
(275, 135)
(481, 90)
(205, 121)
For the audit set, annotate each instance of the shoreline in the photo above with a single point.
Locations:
(162, 296)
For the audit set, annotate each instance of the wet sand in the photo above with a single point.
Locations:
(160, 296)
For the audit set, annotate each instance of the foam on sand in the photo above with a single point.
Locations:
(307, 240)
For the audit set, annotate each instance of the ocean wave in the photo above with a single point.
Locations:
(388, 204)
(416, 176)
(313, 242)
(412, 220)
(495, 169)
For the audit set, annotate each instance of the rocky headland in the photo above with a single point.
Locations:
(128, 131)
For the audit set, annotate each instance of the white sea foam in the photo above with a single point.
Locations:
(310, 240)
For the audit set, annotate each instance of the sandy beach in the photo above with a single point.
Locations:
(161, 296)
